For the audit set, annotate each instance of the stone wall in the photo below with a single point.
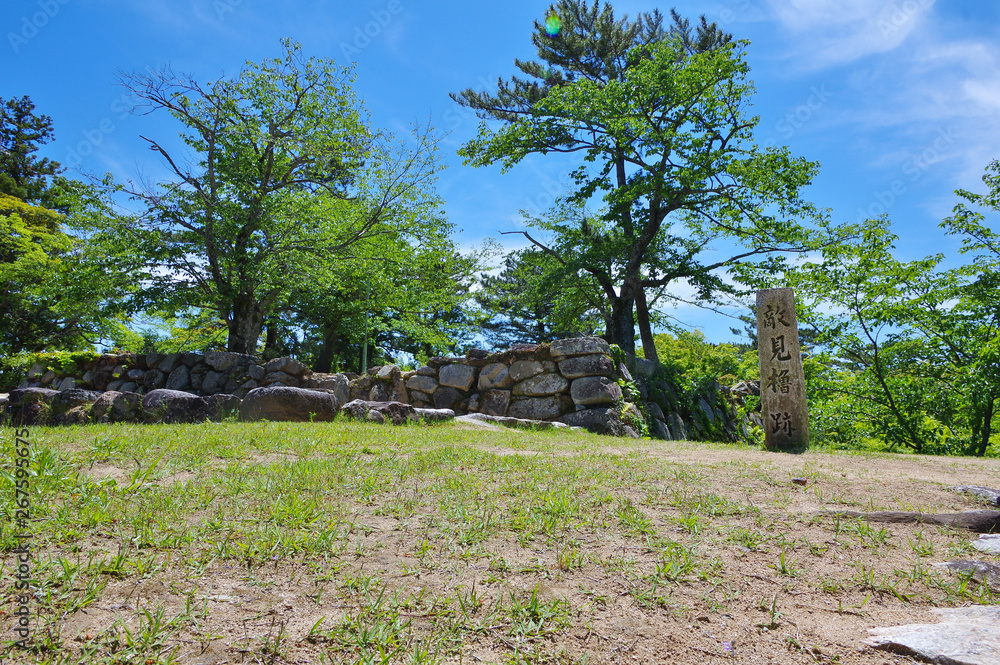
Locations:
(572, 381)
(213, 373)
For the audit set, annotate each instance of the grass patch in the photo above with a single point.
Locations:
(347, 542)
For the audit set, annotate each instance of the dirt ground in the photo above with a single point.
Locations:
(770, 582)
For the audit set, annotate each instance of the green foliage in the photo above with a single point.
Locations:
(14, 369)
(617, 354)
(696, 360)
(533, 300)
(659, 120)
(913, 357)
(22, 174)
(59, 288)
(289, 179)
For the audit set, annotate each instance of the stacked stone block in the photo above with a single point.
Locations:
(572, 381)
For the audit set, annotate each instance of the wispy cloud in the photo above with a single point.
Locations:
(931, 79)
(830, 32)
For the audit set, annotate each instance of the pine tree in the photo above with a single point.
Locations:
(22, 173)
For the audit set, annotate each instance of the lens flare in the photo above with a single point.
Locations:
(552, 25)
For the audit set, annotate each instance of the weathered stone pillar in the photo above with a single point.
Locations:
(782, 382)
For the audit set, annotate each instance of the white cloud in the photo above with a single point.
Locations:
(830, 32)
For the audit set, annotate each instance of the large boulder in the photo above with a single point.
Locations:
(965, 635)
(213, 382)
(71, 407)
(154, 379)
(289, 404)
(288, 366)
(460, 377)
(578, 346)
(506, 421)
(223, 361)
(174, 406)
(678, 428)
(30, 406)
(169, 362)
(595, 391)
(221, 406)
(645, 368)
(592, 365)
(541, 385)
(179, 377)
(337, 383)
(435, 415)
(492, 402)
(601, 421)
(423, 383)
(101, 408)
(191, 359)
(659, 430)
(75, 397)
(395, 412)
(495, 376)
(525, 369)
(446, 398)
(31, 395)
(282, 378)
(382, 391)
(540, 408)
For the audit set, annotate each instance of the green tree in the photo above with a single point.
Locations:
(284, 175)
(915, 346)
(59, 288)
(23, 174)
(970, 333)
(406, 294)
(659, 118)
(533, 300)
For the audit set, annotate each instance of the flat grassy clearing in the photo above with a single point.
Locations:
(356, 543)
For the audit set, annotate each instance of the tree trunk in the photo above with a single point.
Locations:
(622, 330)
(271, 339)
(324, 359)
(981, 438)
(245, 325)
(645, 329)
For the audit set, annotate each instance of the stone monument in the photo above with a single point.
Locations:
(782, 382)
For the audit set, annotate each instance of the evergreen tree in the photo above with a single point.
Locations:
(658, 113)
(22, 174)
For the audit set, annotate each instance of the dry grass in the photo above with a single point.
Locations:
(308, 543)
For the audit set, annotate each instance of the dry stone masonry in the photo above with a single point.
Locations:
(568, 383)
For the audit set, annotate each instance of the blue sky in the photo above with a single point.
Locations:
(899, 101)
